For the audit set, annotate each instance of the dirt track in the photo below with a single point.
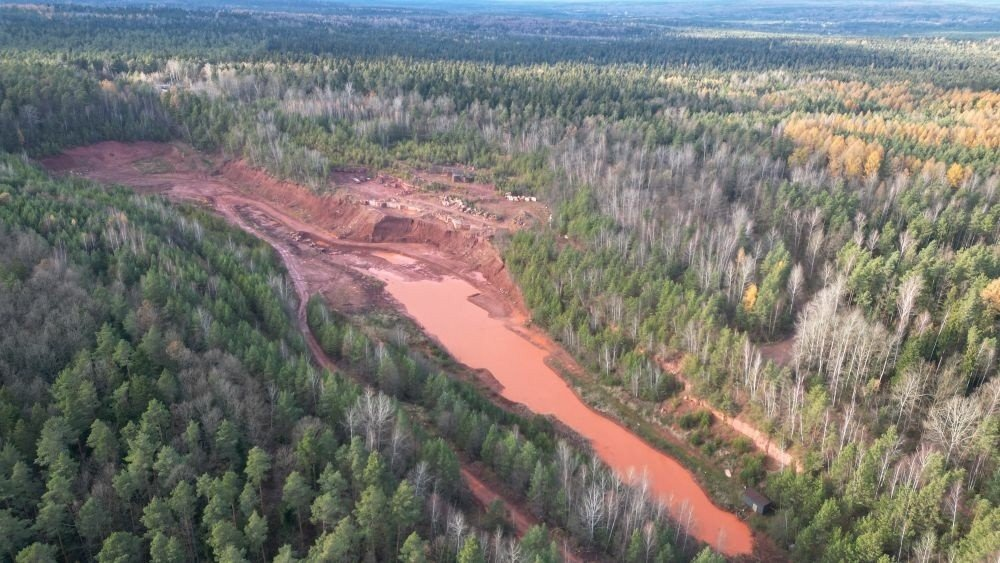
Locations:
(780, 457)
(330, 237)
(317, 261)
(332, 244)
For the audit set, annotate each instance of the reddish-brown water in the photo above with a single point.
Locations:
(500, 344)
(442, 307)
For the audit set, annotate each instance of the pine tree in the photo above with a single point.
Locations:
(297, 496)
(708, 556)
(227, 439)
(76, 398)
(338, 545)
(256, 533)
(14, 533)
(157, 517)
(121, 547)
(224, 534)
(38, 553)
(249, 501)
(102, 442)
(258, 464)
(285, 555)
(636, 552)
(471, 552)
(405, 510)
(231, 554)
(414, 550)
(165, 549)
(326, 510)
(539, 489)
(53, 512)
(370, 513)
(92, 520)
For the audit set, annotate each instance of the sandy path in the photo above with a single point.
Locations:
(486, 496)
(763, 442)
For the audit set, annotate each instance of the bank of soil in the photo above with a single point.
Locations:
(779, 457)
(434, 258)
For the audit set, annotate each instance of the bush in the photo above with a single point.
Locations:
(742, 445)
(752, 471)
(698, 419)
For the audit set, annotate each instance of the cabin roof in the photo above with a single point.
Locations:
(751, 496)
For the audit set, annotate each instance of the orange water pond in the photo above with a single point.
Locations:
(442, 307)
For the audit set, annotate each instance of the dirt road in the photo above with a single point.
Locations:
(333, 245)
(763, 442)
(316, 261)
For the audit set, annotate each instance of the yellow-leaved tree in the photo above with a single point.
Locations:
(874, 160)
(991, 295)
(750, 297)
(956, 175)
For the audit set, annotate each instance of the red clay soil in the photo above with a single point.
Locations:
(182, 173)
(761, 440)
(779, 352)
(418, 219)
(312, 262)
(477, 483)
(519, 516)
(327, 241)
(485, 496)
(443, 308)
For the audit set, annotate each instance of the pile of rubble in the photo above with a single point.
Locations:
(466, 207)
(391, 203)
(512, 197)
(395, 183)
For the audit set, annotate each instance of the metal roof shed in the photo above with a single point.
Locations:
(755, 500)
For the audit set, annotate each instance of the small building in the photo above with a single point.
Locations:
(756, 501)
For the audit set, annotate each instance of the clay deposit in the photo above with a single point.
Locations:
(433, 260)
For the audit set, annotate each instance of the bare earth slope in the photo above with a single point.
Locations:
(380, 242)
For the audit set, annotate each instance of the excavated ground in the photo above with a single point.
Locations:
(327, 242)
(347, 226)
(338, 242)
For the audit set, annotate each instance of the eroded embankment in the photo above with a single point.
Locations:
(115, 163)
(341, 215)
(781, 457)
(451, 281)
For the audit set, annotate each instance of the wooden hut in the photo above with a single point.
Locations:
(756, 501)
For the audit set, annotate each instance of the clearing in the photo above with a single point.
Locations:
(365, 242)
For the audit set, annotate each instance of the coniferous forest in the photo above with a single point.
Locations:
(798, 230)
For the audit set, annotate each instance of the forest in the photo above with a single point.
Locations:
(163, 407)
(804, 230)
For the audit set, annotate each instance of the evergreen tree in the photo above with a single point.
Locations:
(297, 496)
(256, 533)
(121, 547)
(414, 550)
(370, 512)
(471, 552)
